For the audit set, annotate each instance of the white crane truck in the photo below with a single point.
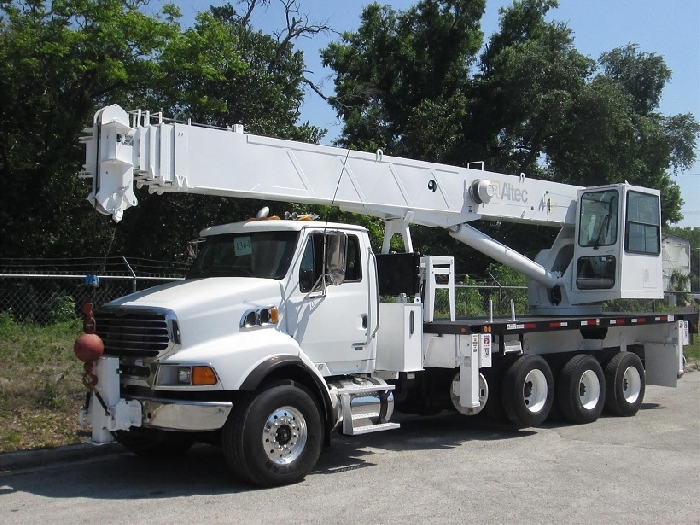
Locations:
(278, 337)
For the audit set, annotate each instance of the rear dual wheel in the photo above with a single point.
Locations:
(581, 389)
(527, 391)
(626, 384)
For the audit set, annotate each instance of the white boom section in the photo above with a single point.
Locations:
(170, 156)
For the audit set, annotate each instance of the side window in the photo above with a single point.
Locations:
(643, 225)
(353, 271)
(311, 268)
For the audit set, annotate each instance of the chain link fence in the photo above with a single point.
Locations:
(47, 291)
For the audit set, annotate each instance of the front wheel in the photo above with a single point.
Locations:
(527, 391)
(274, 437)
(626, 384)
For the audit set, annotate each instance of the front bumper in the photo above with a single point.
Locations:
(108, 412)
(184, 415)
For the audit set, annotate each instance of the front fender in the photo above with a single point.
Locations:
(243, 359)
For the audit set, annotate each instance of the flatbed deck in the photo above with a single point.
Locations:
(534, 323)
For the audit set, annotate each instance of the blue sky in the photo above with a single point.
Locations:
(670, 28)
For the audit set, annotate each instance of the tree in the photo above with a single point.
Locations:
(57, 61)
(404, 74)
(530, 77)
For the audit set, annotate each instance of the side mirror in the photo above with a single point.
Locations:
(336, 257)
(193, 248)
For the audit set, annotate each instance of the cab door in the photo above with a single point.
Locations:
(331, 322)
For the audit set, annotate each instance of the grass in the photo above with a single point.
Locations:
(40, 385)
(692, 352)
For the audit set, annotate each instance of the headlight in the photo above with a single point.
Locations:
(264, 316)
(184, 375)
(178, 375)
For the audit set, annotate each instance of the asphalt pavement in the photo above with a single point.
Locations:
(441, 469)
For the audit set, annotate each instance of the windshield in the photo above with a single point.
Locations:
(266, 255)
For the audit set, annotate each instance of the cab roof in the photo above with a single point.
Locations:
(265, 225)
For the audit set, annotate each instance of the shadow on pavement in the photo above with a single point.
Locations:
(203, 471)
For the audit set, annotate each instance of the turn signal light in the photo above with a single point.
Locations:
(203, 375)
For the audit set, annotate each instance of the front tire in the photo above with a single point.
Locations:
(626, 384)
(527, 391)
(274, 437)
(581, 390)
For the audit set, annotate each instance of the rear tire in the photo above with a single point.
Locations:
(626, 384)
(527, 391)
(274, 437)
(581, 389)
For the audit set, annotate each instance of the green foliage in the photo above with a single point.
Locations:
(400, 67)
(474, 297)
(680, 282)
(50, 397)
(504, 276)
(58, 60)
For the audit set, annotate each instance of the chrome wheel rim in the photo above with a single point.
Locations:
(284, 435)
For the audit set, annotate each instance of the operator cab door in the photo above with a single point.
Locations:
(331, 321)
(618, 244)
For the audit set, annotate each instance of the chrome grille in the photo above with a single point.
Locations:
(130, 332)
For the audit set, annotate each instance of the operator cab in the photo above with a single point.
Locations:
(617, 252)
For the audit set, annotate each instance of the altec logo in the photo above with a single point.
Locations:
(509, 192)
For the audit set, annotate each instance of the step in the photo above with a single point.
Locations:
(365, 389)
(356, 431)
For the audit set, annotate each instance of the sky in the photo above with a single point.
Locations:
(670, 28)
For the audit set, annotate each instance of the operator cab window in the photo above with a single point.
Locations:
(598, 222)
(643, 227)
